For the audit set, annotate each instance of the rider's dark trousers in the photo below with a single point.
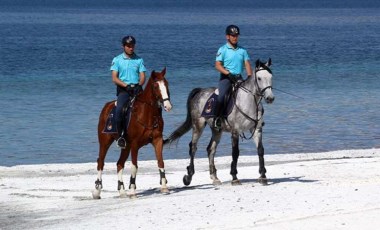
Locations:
(122, 99)
(223, 87)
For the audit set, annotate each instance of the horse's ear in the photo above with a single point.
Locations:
(257, 63)
(269, 63)
(164, 71)
(152, 74)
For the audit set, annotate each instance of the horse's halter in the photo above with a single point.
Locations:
(261, 91)
(156, 88)
(257, 102)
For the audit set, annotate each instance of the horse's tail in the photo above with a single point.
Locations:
(186, 125)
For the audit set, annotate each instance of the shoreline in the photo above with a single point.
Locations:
(244, 160)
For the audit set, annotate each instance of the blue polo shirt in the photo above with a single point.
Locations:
(128, 68)
(232, 59)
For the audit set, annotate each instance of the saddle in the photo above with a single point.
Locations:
(111, 125)
(229, 101)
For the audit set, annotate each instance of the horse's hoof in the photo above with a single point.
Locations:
(263, 180)
(123, 194)
(96, 194)
(235, 182)
(186, 180)
(132, 196)
(216, 182)
(164, 190)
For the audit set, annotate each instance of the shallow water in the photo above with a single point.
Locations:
(54, 74)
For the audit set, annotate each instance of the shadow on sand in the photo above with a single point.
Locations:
(272, 181)
(173, 190)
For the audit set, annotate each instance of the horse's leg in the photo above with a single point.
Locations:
(235, 157)
(260, 151)
(158, 146)
(134, 167)
(105, 142)
(211, 150)
(120, 168)
(197, 132)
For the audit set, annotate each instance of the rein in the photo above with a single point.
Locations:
(155, 122)
(247, 116)
(257, 102)
(157, 102)
(257, 84)
(289, 93)
(241, 111)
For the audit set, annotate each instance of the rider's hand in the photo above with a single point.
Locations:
(138, 89)
(232, 77)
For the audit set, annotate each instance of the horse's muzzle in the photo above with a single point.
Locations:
(269, 99)
(167, 105)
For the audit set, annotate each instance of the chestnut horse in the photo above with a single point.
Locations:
(146, 126)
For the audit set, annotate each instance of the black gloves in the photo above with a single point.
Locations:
(138, 89)
(235, 78)
(134, 89)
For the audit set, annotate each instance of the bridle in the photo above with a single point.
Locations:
(257, 102)
(261, 94)
(158, 97)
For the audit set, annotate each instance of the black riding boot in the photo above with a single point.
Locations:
(121, 143)
(217, 122)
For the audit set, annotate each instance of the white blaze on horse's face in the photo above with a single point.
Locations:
(264, 81)
(165, 96)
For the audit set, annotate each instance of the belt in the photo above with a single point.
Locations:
(131, 86)
(230, 76)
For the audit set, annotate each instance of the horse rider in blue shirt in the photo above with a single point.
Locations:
(231, 59)
(128, 73)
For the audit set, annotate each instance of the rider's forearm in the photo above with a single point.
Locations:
(248, 68)
(116, 80)
(220, 68)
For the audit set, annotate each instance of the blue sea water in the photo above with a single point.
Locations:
(55, 58)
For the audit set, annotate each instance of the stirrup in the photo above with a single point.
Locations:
(121, 143)
(217, 123)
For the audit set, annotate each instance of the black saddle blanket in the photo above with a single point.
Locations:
(111, 126)
(209, 109)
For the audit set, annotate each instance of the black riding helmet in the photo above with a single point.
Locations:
(128, 40)
(232, 30)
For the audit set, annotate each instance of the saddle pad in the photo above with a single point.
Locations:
(209, 109)
(111, 126)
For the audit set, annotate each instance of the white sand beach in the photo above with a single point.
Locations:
(331, 190)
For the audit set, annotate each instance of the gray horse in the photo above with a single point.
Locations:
(245, 114)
